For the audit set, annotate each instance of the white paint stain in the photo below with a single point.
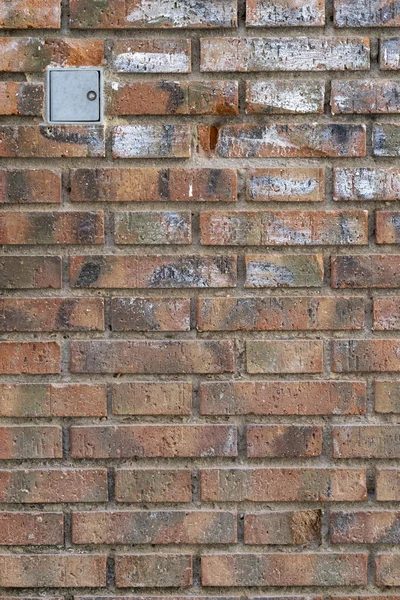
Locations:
(152, 62)
(184, 13)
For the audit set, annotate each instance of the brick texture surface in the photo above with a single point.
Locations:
(199, 302)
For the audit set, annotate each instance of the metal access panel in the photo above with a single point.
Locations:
(74, 95)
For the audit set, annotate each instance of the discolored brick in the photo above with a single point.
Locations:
(30, 272)
(366, 271)
(364, 527)
(375, 96)
(298, 527)
(31, 529)
(283, 441)
(151, 398)
(361, 185)
(281, 356)
(389, 54)
(282, 96)
(152, 56)
(151, 141)
(34, 358)
(387, 485)
(284, 270)
(29, 14)
(153, 570)
(285, 185)
(20, 442)
(153, 228)
(387, 396)
(366, 441)
(285, 13)
(151, 485)
(30, 186)
(23, 99)
(365, 355)
(150, 314)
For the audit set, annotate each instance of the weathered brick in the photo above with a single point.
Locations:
(285, 54)
(34, 358)
(284, 270)
(148, 485)
(152, 56)
(155, 527)
(30, 272)
(150, 314)
(387, 570)
(28, 55)
(365, 527)
(52, 570)
(387, 227)
(285, 185)
(283, 485)
(153, 228)
(30, 14)
(389, 55)
(31, 529)
(153, 570)
(283, 398)
(282, 96)
(284, 228)
(280, 313)
(22, 99)
(386, 139)
(365, 97)
(152, 398)
(283, 140)
(284, 570)
(387, 396)
(173, 441)
(61, 141)
(282, 356)
(386, 312)
(154, 271)
(360, 185)
(51, 314)
(286, 13)
(369, 270)
(298, 527)
(173, 97)
(365, 355)
(31, 442)
(53, 400)
(151, 141)
(374, 14)
(284, 441)
(30, 186)
(366, 441)
(153, 185)
(387, 485)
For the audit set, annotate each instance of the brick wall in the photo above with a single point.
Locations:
(200, 309)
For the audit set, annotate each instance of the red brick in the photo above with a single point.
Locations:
(366, 441)
(375, 96)
(362, 527)
(282, 356)
(387, 227)
(152, 398)
(387, 570)
(283, 441)
(284, 270)
(30, 272)
(29, 14)
(285, 185)
(284, 570)
(387, 485)
(150, 314)
(283, 398)
(298, 527)
(389, 54)
(387, 313)
(155, 527)
(30, 186)
(30, 442)
(387, 396)
(362, 185)
(34, 358)
(283, 485)
(357, 14)
(153, 228)
(365, 356)
(152, 56)
(151, 141)
(368, 270)
(150, 485)
(153, 570)
(288, 13)
(149, 441)
(22, 99)
(31, 529)
(285, 96)
(53, 400)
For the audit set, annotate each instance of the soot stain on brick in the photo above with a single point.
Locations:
(86, 181)
(163, 183)
(87, 228)
(167, 138)
(182, 272)
(176, 95)
(30, 101)
(64, 135)
(89, 273)
(64, 313)
(17, 186)
(213, 180)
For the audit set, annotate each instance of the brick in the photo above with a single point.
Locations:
(152, 398)
(154, 271)
(387, 485)
(375, 14)
(150, 441)
(365, 527)
(53, 400)
(30, 55)
(283, 398)
(155, 527)
(361, 185)
(298, 527)
(42, 486)
(150, 314)
(30, 272)
(30, 442)
(31, 14)
(387, 227)
(239, 570)
(373, 271)
(386, 313)
(153, 185)
(152, 56)
(283, 441)
(43, 141)
(52, 570)
(365, 97)
(284, 270)
(280, 313)
(31, 529)
(153, 570)
(386, 139)
(283, 485)
(22, 99)
(366, 441)
(151, 485)
(387, 570)
(151, 141)
(282, 356)
(285, 54)
(30, 186)
(33, 358)
(173, 97)
(285, 185)
(51, 314)
(282, 96)
(153, 228)
(284, 228)
(288, 13)
(365, 355)
(387, 396)
(282, 140)
(389, 55)
(158, 14)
